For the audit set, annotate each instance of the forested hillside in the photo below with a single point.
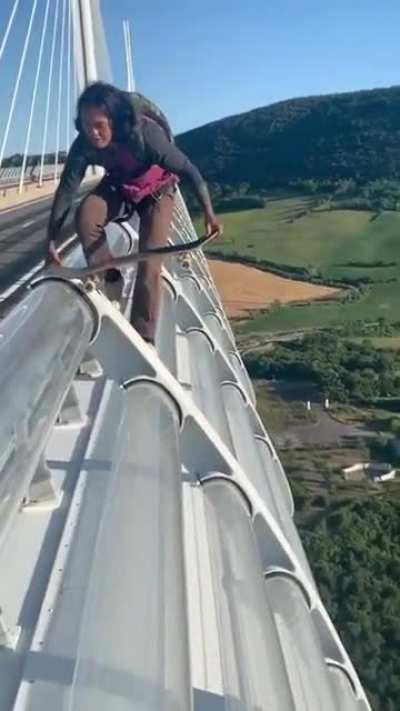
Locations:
(322, 138)
(354, 553)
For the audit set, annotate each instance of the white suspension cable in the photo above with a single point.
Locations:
(128, 56)
(7, 32)
(46, 120)
(88, 42)
(60, 82)
(20, 69)
(68, 136)
(35, 88)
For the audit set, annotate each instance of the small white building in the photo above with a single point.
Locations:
(377, 472)
(385, 476)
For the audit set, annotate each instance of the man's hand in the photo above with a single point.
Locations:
(52, 255)
(212, 225)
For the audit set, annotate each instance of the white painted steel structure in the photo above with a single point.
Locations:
(148, 555)
(34, 94)
(18, 79)
(171, 575)
(14, 176)
(37, 67)
(8, 28)
(90, 49)
(130, 78)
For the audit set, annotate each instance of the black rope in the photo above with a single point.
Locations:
(119, 262)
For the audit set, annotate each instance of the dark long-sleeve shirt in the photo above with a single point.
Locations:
(154, 148)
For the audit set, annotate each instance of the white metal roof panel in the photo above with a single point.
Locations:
(105, 612)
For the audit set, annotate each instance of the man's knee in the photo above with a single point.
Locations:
(90, 217)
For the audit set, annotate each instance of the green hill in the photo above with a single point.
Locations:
(329, 168)
(292, 238)
(338, 136)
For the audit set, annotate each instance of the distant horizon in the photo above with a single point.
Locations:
(239, 113)
(292, 98)
(202, 62)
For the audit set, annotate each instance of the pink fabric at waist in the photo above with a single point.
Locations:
(150, 182)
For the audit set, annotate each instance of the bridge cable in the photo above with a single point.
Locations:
(60, 86)
(68, 136)
(16, 88)
(7, 32)
(35, 88)
(46, 120)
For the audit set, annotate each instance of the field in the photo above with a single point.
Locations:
(314, 469)
(382, 300)
(391, 343)
(334, 245)
(345, 524)
(243, 288)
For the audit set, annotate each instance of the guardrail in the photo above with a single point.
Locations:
(54, 323)
(247, 517)
(57, 322)
(10, 178)
(143, 646)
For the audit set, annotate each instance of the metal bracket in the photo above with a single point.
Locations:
(70, 414)
(90, 367)
(42, 494)
(9, 636)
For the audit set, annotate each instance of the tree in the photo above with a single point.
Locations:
(353, 551)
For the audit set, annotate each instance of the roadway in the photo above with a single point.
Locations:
(22, 243)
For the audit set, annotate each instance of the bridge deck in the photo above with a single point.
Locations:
(127, 601)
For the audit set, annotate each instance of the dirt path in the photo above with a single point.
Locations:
(243, 288)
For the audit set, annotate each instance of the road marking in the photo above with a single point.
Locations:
(27, 277)
(41, 199)
(29, 222)
(36, 201)
(24, 280)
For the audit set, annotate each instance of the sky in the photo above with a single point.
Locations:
(201, 61)
(214, 58)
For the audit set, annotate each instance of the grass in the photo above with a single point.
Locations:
(276, 413)
(315, 472)
(327, 243)
(385, 343)
(381, 300)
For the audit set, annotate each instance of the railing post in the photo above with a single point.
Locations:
(42, 494)
(70, 414)
(9, 636)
